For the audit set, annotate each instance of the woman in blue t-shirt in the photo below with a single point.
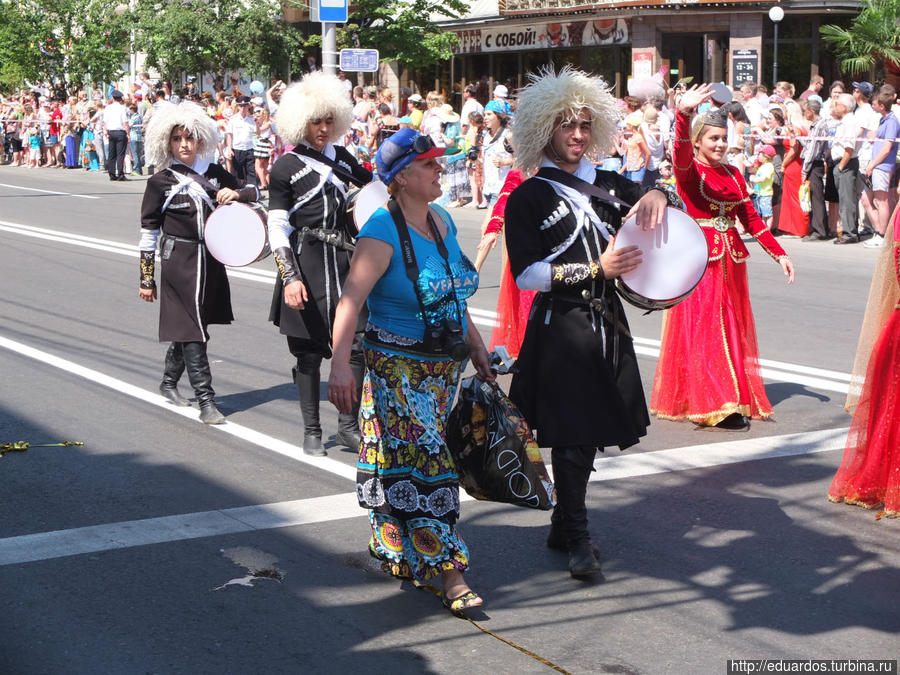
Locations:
(416, 344)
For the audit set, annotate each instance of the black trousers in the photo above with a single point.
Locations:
(818, 215)
(243, 166)
(118, 146)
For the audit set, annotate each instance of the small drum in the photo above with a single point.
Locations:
(675, 257)
(236, 234)
(361, 204)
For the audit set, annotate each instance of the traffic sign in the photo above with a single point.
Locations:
(359, 60)
(329, 11)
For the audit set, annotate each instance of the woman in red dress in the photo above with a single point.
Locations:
(708, 370)
(792, 219)
(513, 304)
(869, 475)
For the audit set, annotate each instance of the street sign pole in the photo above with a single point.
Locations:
(330, 13)
(329, 48)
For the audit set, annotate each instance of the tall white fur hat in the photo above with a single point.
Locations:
(316, 96)
(166, 116)
(550, 98)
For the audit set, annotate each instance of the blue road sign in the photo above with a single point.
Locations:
(332, 11)
(359, 60)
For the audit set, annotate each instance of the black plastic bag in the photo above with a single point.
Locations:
(497, 456)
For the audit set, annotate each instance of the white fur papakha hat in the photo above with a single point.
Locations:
(552, 97)
(166, 116)
(316, 96)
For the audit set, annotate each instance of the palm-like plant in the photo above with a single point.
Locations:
(873, 36)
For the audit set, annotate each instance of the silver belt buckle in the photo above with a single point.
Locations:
(721, 224)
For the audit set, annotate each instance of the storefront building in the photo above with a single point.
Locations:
(708, 40)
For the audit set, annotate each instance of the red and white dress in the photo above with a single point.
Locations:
(869, 475)
(709, 360)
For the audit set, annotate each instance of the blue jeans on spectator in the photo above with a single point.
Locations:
(137, 156)
(635, 176)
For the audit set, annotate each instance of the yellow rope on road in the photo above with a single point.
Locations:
(512, 644)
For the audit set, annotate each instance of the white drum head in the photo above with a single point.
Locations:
(235, 235)
(371, 198)
(675, 256)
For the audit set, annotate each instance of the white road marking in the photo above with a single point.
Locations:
(818, 378)
(49, 192)
(716, 454)
(108, 537)
(111, 536)
(244, 433)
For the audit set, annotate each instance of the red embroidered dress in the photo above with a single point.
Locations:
(709, 360)
(869, 474)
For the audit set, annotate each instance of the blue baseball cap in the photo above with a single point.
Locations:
(401, 149)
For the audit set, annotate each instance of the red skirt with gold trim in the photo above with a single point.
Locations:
(709, 359)
(869, 474)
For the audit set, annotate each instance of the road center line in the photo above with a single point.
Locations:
(111, 536)
(49, 192)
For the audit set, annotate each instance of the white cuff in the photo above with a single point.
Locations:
(536, 277)
(148, 239)
(279, 229)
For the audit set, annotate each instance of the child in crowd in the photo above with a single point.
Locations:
(34, 147)
(763, 180)
(666, 177)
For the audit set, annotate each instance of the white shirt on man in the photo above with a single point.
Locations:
(845, 136)
(115, 117)
(867, 120)
(241, 129)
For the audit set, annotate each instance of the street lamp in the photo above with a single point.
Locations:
(776, 14)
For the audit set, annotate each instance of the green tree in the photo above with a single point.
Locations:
(872, 38)
(74, 40)
(268, 44)
(190, 36)
(214, 36)
(403, 31)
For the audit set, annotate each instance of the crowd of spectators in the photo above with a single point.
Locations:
(820, 165)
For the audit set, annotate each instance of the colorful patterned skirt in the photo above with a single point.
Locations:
(406, 475)
(709, 360)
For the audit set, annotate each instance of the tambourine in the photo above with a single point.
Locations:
(675, 258)
(236, 234)
(362, 203)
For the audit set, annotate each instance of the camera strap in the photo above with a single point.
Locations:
(408, 253)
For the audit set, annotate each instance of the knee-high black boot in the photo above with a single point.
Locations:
(306, 377)
(174, 368)
(569, 522)
(197, 365)
(348, 433)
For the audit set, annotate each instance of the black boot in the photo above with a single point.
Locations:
(197, 365)
(348, 433)
(172, 373)
(571, 470)
(306, 377)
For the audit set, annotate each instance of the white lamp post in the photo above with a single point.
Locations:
(776, 14)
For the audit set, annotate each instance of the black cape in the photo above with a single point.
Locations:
(193, 289)
(577, 384)
(292, 185)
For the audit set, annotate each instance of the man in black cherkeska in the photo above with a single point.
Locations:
(180, 141)
(577, 381)
(311, 239)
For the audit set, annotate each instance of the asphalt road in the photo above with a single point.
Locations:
(136, 552)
